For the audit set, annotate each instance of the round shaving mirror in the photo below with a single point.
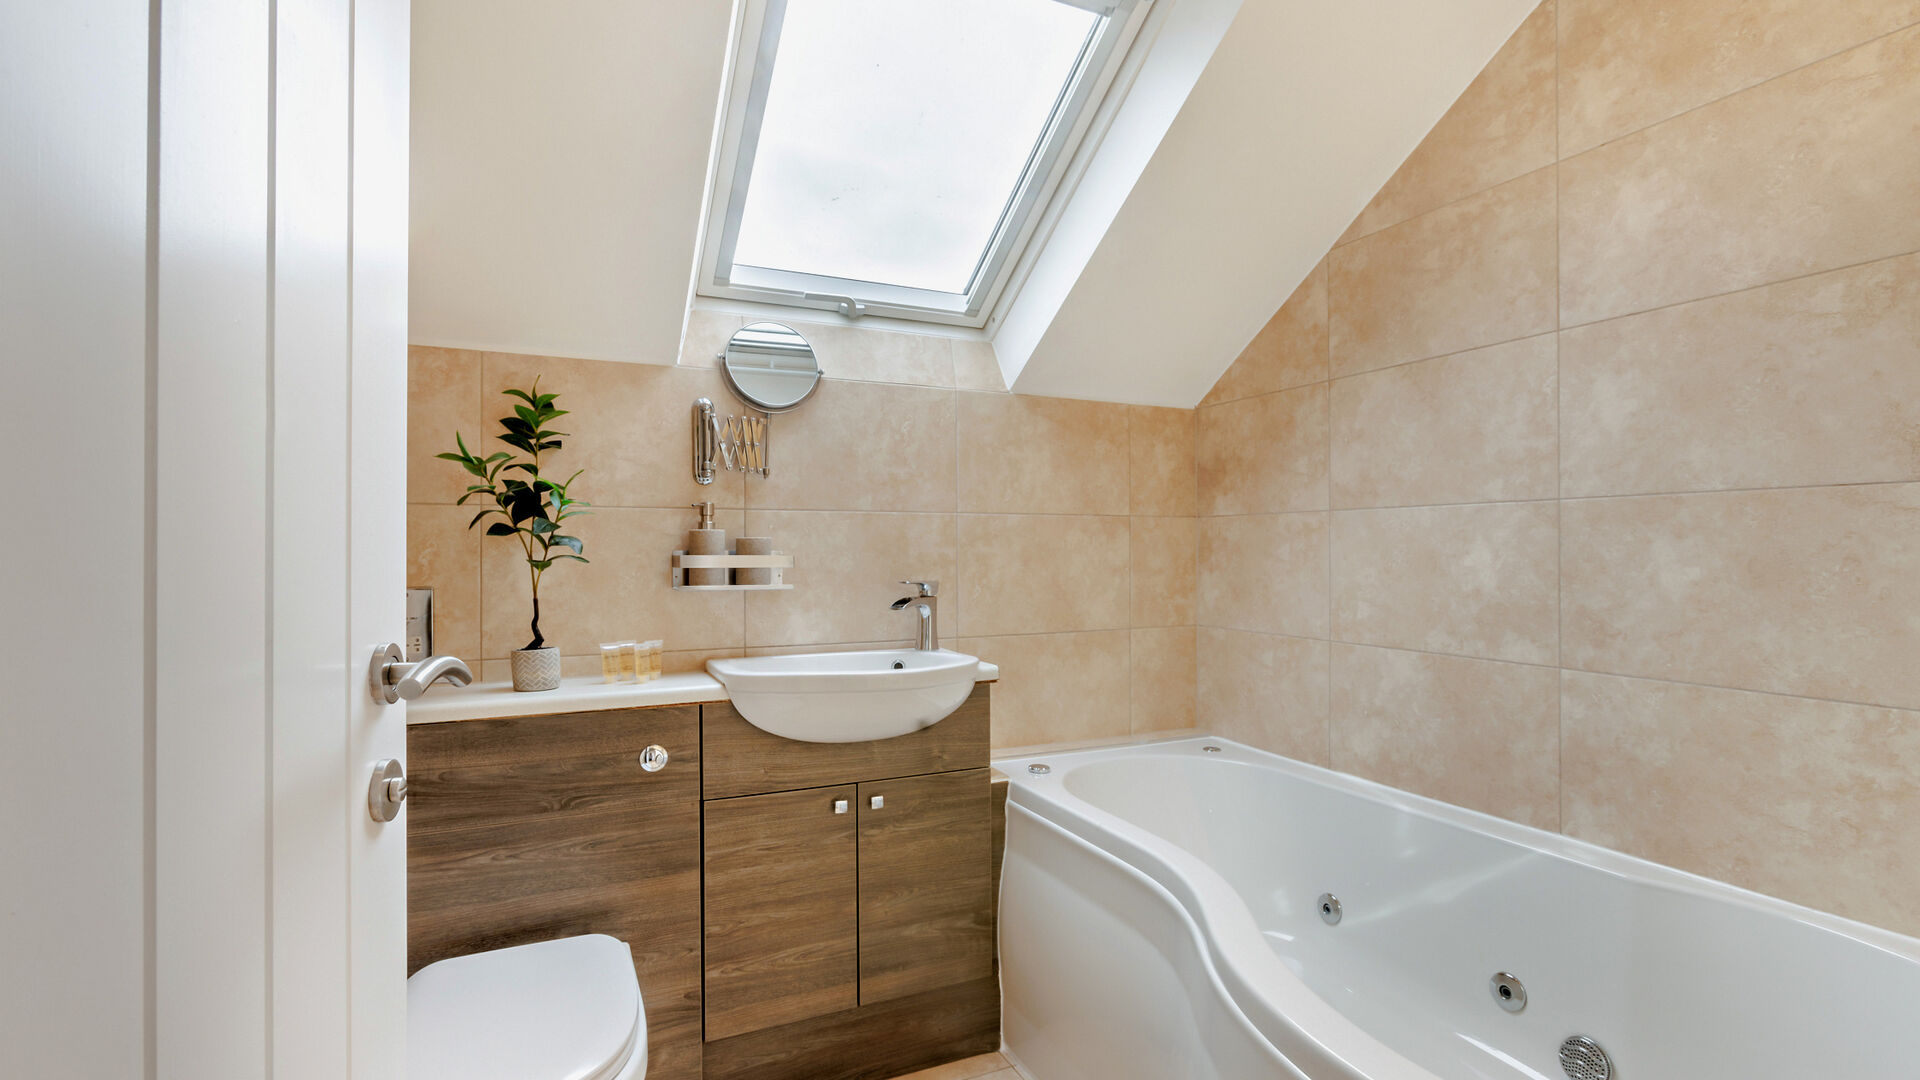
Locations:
(770, 366)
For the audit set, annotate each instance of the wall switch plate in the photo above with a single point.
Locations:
(419, 641)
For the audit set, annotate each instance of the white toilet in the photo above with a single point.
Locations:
(558, 1010)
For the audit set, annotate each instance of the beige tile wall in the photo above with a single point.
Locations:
(1581, 483)
(1062, 532)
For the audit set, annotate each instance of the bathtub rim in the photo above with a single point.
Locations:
(1307, 1029)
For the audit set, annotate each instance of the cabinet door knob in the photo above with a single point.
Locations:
(839, 806)
(653, 758)
(877, 802)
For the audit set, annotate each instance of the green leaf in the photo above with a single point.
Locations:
(500, 528)
(540, 564)
(571, 543)
(526, 503)
(575, 558)
(542, 526)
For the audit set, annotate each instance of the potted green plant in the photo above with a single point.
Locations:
(531, 508)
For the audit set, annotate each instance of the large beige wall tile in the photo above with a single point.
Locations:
(1058, 687)
(444, 398)
(847, 569)
(1811, 801)
(1480, 426)
(1626, 64)
(1163, 678)
(1039, 574)
(1475, 272)
(1264, 455)
(1804, 591)
(860, 446)
(868, 355)
(1165, 570)
(1264, 690)
(1475, 733)
(1039, 455)
(1290, 350)
(623, 592)
(629, 426)
(1815, 170)
(444, 555)
(977, 367)
(1161, 447)
(1500, 128)
(1812, 381)
(1266, 573)
(1467, 580)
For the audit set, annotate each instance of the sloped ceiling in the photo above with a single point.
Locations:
(560, 156)
(559, 170)
(1302, 113)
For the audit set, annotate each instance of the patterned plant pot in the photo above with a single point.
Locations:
(536, 669)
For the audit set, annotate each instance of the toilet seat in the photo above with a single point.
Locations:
(568, 1009)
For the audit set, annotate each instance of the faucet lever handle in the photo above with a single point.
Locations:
(927, 588)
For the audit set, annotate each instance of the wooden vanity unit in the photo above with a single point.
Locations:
(797, 910)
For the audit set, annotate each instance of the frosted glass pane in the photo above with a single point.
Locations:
(895, 131)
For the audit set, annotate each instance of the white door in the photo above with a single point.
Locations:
(204, 289)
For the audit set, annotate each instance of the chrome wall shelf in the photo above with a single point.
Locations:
(683, 562)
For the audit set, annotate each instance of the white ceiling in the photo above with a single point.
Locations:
(1303, 112)
(559, 170)
(560, 158)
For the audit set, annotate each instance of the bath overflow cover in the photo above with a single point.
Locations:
(1039, 770)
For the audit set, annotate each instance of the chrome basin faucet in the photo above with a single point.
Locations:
(925, 605)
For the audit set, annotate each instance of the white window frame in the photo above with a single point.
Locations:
(756, 43)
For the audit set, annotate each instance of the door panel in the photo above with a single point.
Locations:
(781, 919)
(926, 900)
(308, 365)
(377, 530)
(212, 545)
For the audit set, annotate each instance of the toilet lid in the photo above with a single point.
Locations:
(558, 1010)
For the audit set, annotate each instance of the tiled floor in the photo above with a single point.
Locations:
(984, 1067)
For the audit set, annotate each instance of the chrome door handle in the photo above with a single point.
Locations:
(392, 679)
(387, 790)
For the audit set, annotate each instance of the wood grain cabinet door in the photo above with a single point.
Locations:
(781, 924)
(926, 899)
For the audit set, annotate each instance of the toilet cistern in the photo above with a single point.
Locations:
(926, 605)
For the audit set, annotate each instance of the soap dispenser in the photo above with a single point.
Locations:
(706, 540)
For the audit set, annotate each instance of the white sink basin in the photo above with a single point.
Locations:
(848, 696)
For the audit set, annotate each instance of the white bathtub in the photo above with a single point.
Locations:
(1160, 919)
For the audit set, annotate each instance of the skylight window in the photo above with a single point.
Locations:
(891, 156)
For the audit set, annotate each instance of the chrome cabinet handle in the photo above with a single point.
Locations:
(877, 802)
(839, 806)
(653, 758)
(392, 679)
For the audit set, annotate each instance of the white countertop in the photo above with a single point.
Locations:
(492, 700)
